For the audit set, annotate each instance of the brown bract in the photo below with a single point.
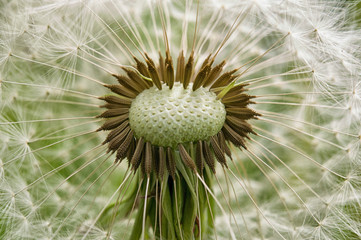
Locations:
(152, 158)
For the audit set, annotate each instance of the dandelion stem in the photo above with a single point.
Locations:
(219, 205)
(145, 208)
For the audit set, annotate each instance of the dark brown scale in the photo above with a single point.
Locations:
(188, 161)
(188, 71)
(199, 157)
(123, 148)
(218, 151)
(155, 161)
(162, 71)
(113, 112)
(237, 97)
(122, 91)
(237, 103)
(213, 74)
(224, 145)
(138, 81)
(207, 61)
(180, 68)
(117, 141)
(113, 122)
(131, 150)
(142, 68)
(242, 113)
(126, 82)
(149, 60)
(239, 123)
(148, 159)
(113, 106)
(232, 136)
(169, 72)
(161, 163)
(202, 74)
(170, 163)
(225, 79)
(142, 164)
(116, 131)
(116, 100)
(153, 72)
(237, 129)
(208, 156)
(135, 161)
(237, 89)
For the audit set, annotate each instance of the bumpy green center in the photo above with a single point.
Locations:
(168, 117)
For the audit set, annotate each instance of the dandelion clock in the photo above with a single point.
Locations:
(165, 119)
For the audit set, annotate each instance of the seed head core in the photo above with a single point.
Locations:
(169, 117)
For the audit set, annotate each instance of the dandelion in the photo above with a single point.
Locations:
(180, 120)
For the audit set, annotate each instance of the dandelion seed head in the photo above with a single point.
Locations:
(287, 171)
